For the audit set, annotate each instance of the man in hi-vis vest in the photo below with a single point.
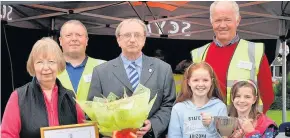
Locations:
(79, 67)
(233, 58)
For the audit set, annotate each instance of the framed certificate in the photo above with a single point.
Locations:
(86, 130)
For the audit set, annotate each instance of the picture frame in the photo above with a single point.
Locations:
(85, 130)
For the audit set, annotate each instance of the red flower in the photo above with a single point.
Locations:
(125, 133)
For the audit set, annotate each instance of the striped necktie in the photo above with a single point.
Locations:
(133, 75)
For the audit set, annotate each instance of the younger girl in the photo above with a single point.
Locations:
(244, 106)
(200, 98)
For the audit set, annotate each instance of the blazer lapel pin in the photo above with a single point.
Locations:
(150, 70)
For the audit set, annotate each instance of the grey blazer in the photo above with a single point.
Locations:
(111, 77)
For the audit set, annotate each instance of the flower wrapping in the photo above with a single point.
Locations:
(116, 115)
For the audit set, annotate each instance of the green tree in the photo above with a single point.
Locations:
(278, 87)
(278, 94)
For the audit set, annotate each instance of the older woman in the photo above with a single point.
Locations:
(43, 101)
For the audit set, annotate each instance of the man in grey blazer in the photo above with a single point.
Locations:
(133, 67)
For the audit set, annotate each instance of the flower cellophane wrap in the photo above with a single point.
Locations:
(114, 115)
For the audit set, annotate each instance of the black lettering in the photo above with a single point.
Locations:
(194, 118)
(197, 136)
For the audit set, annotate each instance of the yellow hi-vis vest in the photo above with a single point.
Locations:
(178, 78)
(85, 80)
(248, 53)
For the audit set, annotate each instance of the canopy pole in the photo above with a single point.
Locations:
(53, 33)
(284, 78)
(284, 71)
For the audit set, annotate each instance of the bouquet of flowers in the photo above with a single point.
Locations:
(127, 113)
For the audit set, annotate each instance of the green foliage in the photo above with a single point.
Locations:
(277, 105)
(278, 87)
(278, 94)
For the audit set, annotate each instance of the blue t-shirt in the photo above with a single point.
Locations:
(75, 73)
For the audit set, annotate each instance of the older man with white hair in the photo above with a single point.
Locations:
(233, 58)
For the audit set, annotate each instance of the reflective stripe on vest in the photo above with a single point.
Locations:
(254, 55)
(199, 54)
(84, 85)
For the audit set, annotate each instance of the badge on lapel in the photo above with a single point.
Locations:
(88, 78)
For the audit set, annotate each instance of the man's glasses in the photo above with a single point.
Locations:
(136, 35)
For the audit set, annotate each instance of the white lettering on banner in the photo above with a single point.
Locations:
(149, 29)
(172, 27)
(161, 26)
(175, 28)
(5, 12)
(185, 28)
